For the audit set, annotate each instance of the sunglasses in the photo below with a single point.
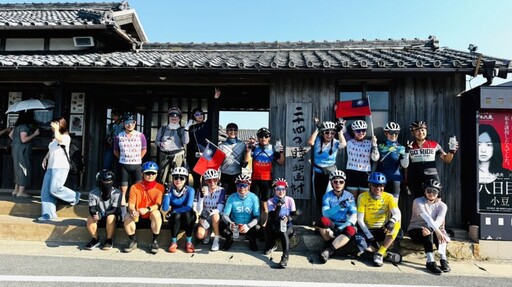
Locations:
(211, 180)
(231, 130)
(393, 132)
(182, 178)
(378, 185)
(280, 189)
(359, 131)
(129, 122)
(242, 185)
(150, 173)
(174, 115)
(198, 114)
(338, 181)
(329, 132)
(264, 136)
(432, 190)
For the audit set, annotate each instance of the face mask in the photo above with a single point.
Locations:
(106, 188)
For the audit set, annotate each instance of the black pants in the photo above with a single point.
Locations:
(427, 241)
(321, 182)
(274, 232)
(228, 182)
(185, 221)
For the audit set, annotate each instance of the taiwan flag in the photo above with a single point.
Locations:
(212, 157)
(355, 108)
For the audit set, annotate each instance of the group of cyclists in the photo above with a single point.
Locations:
(229, 203)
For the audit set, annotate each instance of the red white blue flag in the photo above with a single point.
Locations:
(212, 157)
(355, 108)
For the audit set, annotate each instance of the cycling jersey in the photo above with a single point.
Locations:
(286, 209)
(242, 211)
(376, 211)
(339, 209)
(262, 159)
(424, 157)
(183, 203)
(211, 201)
(324, 155)
(358, 155)
(389, 162)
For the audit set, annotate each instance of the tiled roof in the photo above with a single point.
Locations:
(243, 134)
(58, 14)
(378, 56)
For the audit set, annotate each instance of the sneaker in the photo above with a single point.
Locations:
(252, 244)
(377, 259)
(445, 267)
(227, 244)
(131, 246)
(92, 244)
(432, 266)
(324, 256)
(215, 244)
(270, 250)
(393, 257)
(284, 261)
(77, 199)
(153, 248)
(189, 247)
(43, 218)
(173, 247)
(206, 240)
(107, 245)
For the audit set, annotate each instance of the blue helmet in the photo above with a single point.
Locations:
(377, 178)
(149, 166)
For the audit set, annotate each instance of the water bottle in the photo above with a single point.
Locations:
(236, 232)
(166, 202)
(452, 143)
(279, 145)
(283, 225)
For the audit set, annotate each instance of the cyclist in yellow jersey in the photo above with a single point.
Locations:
(378, 218)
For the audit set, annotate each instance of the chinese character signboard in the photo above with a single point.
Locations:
(494, 162)
(298, 163)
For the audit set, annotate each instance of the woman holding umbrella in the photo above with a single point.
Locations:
(21, 137)
(57, 167)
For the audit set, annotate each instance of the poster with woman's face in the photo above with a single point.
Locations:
(495, 162)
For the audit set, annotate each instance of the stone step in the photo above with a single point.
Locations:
(31, 207)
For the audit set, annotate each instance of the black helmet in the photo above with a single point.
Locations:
(432, 183)
(105, 175)
(416, 125)
(128, 116)
(263, 131)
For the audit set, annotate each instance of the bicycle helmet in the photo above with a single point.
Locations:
(280, 182)
(416, 125)
(263, 131)
(105, 175)
(377, 178)
(180, 171)
(174, 110)
(337, 174)
(149, 166)
(328, 126)
(211, 174)
(128, 116)
(243, 178)
(432, 183)
(392, 126)
(359, 125)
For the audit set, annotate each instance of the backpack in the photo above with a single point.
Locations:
(76, 161)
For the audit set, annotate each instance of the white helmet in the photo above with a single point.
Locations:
(359, 125)
(337, 174)
(392, 126)
(211, 174)
(180, 171)
(328, 126)
(243, 178)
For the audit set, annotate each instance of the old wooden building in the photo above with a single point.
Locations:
(91, 57)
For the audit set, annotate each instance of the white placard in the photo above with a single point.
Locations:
(77, 103)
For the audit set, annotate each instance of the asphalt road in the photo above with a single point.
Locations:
(25, 270)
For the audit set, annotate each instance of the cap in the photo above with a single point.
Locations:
(174, 110)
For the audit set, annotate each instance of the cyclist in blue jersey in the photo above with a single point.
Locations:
(393, 159)
(241, 214)
(339, 216)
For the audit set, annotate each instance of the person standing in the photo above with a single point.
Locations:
(22, 136)
(263, 156)
(360, 152)
(325, 150)
(427, 226)
(235, 150)
(393, 159)
(130, 146)
(422, 154)
(113, 130)
(199, 132)
(210, 203)
(56, 165)
(179, 198)
(281, 209)
(339, 216)
(171, 140)
(104, 210)
(144, 207)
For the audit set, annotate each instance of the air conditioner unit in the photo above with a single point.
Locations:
(83, 41)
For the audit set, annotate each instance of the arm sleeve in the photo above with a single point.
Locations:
(188, 204)
(404, 161)
(396, 215)
(439, 220)
(374, 153)
(362, 225)
(185, 137)
(330, 211)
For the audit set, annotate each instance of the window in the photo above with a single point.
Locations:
(33, 44)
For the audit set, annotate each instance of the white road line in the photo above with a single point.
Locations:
(180, 281)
